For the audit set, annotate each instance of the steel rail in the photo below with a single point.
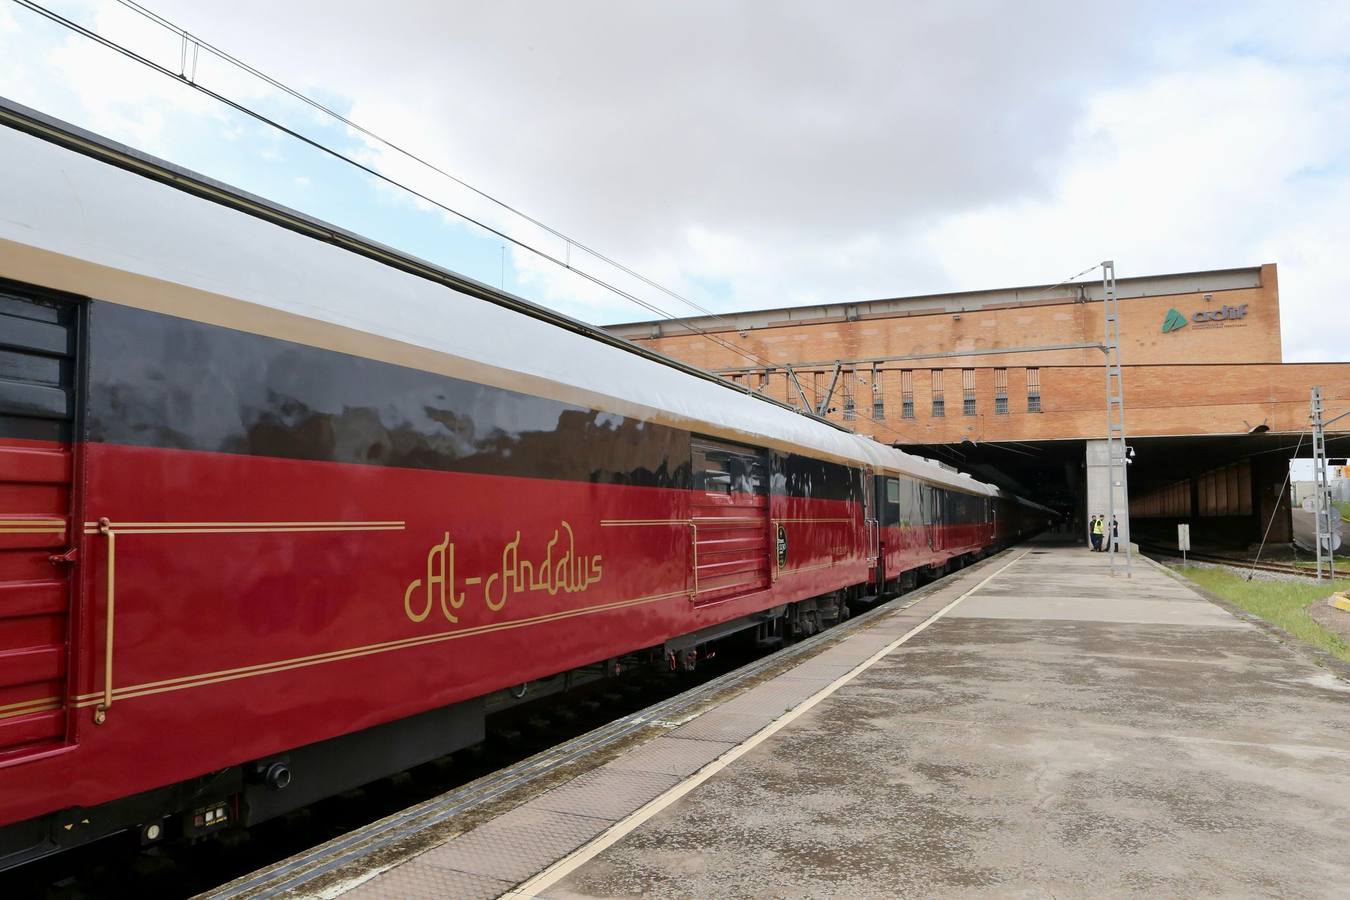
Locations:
(1233, 561)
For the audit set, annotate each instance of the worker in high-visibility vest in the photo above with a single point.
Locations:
(1098, 527)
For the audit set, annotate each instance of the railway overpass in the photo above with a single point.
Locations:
(1009, 385)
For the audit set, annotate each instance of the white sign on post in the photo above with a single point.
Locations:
(1183, 540)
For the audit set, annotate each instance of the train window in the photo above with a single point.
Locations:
(928, 499)
(728, 469)
(802, 476)
(890, 509)
(965, 509)
(910, 513)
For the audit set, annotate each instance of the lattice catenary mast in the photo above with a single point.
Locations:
(1324, 511)
(1117, 465)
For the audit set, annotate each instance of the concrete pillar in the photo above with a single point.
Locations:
(1098, 471)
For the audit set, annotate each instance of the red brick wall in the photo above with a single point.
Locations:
(1201, 379)
(1160, 400)
(1254, 338)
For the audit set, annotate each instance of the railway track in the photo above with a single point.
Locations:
(1235, 562)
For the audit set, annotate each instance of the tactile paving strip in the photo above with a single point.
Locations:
(719, 725)
(414, 881)
(605, 793)
(677, 756)
(769, 701)
(515, 845)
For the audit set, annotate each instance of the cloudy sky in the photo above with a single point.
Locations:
(766, 153)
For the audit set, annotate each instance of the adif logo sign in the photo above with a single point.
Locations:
(1223, 314)
(1175, 321)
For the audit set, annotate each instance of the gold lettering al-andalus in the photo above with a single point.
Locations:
(569, 573)
(440, 583)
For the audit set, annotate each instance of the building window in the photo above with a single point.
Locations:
(1000, 406)
(849, 380)
(878, 395)
(1033, 390)
(906, 394)
(968, 392)
(1000, 392)
(939, 404)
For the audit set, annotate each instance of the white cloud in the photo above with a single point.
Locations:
(1194, 169)
(750, 154)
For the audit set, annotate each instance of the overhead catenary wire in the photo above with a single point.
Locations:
(1278, 497)
(1045, 294)
(188, 64)
(375, 173)
(571, 242)
(183, 78)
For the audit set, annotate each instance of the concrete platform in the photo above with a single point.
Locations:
(1035, 727)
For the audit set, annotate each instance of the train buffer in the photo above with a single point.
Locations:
(1031, 725)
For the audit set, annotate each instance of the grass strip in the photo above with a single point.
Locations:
(1282, 603)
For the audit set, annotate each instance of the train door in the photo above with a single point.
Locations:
(934, 518)
(888, 522)
(38, 528)
(871, 525)
(729, 517)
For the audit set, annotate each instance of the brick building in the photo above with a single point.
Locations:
(1009, 384)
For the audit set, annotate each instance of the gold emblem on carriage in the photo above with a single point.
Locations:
(560, 569)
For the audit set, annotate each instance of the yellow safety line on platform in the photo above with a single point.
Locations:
(1340, 601)
(616, 832)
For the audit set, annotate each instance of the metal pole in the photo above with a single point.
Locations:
(1322, 493)
(1116, 450)
(824, 404)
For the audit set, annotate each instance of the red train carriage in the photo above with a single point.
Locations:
(280, 508)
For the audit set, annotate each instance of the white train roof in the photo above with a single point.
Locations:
(66, 202)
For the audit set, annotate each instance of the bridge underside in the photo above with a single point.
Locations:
(1230, 488)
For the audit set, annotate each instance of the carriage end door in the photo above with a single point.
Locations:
(732, 547)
